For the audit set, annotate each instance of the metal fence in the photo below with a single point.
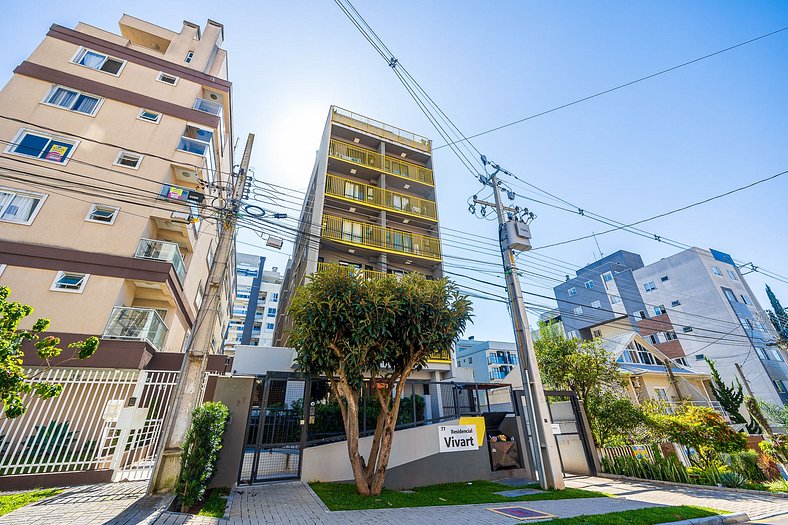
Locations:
(422, 403)
(102, 419)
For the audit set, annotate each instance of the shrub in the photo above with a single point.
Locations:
(732, 480)
(660, 468)
(745, 463)
(778, 485)
(200, 451)
(769, 468)
(775, 448)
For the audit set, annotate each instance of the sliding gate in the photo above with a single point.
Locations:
(276, 433)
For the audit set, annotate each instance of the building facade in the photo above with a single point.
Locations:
(692, 306)
(370, 206)
(112, 146)
(255, 305)
(490, 360)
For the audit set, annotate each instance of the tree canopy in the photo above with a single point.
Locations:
(14, 381)
(351, 329)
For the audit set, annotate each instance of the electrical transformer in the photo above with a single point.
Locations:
(518, 235)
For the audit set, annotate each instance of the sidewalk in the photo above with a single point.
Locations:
(291, 503)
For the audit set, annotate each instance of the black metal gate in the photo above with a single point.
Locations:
(276, 432)
(575, 446)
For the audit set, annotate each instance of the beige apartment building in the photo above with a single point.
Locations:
(113, 148)
(370, 206)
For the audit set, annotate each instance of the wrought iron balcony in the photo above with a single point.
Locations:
(382, 239)
(162, 251)
(381, 129)
(136, 324)
(374, 160)
(380, 198)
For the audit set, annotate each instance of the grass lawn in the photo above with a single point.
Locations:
(649, 516)
(215, 503)
(11, 502)
(343, 496)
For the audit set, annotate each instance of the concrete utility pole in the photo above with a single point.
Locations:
(546, 448)
(743, 379)
(187, 392)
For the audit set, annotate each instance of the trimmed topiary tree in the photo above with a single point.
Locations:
(200, 451)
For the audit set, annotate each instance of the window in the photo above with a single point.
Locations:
(700, 357)
(274, 297)
(102, 214)
(745, 299)
(578, 310)
(470, 360)
(681, 361)
(42, 146)
(659, 310)
(732, 275)
(19, 206)
(614, 299)
(641, 314)
(716, 270)
(189, 56)
(596, 333)
(150, 116)
(675, 303)
(649, 286)
(746, 323)
(271, 312)
(128, 160)
(653, 339)
(730, 295)
(70, 282)
(269, 326)
(572, 291)
(686, 329)
(72, 100)
(661, 394)
(778, 383)
(198, 298)
(671, 336)
(589, 284)
(607, 277)
(664, 278)
(776, 353)
(98, 61)
(167, 79)
(596, 304)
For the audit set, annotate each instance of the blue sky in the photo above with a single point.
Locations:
(652, 147)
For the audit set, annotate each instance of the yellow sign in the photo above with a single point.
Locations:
(478, 422)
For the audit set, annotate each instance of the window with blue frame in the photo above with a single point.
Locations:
(271, 312)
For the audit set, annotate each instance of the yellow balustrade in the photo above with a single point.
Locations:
(384, 239)
(372, 159)
(351, 190)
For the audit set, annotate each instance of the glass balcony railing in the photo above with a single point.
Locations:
(136, 324)
(366, 274)
(381, 129)
(372, 159)
(380, 198)
(162, 251)
(378, 238)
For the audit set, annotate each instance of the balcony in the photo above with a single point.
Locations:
(380, 198)
(671, 407)
(370, 275)
(136, 324)
(374, 160)
(162, 251)
(381, 129)
(378, 238)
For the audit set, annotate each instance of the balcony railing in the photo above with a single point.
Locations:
(380, 198)
(381, 129)
(136, 324)
(384, 239)
(162, 251)
(670, 407)
(372, 159)
(366, 274)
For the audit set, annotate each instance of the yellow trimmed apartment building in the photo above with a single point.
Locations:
(370, 206)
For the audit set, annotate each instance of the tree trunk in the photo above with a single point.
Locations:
(350, 417)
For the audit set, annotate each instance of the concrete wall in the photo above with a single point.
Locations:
(236, 393)
(415, 461)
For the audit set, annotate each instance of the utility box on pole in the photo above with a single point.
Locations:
(518, 235)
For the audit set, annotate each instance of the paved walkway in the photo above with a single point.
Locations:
(290, 503)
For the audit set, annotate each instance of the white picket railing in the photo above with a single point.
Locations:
(81, 428)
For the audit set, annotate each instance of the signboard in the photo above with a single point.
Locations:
(457, 438)
(176, 193)
(477, 421)
(640, 452)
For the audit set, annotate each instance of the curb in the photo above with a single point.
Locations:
(782, 495)
(739, 517)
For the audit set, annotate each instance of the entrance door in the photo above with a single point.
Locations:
(575, 446)
(275, 434)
